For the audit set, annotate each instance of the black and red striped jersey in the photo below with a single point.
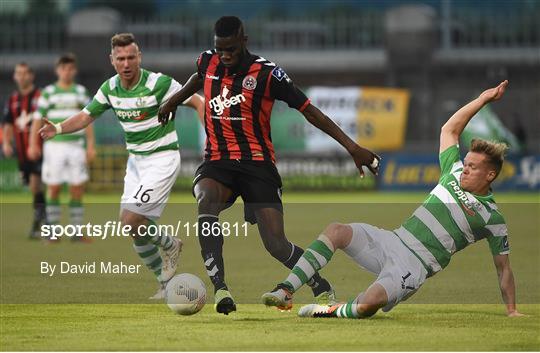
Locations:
(238, 106)
(18, 111)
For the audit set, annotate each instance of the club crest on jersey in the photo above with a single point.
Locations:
(249, 82)
(139, 102)
(219, 103)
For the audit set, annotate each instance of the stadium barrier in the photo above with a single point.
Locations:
(410, 172)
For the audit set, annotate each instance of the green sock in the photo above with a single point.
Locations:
(315, 257)
(149, 254)
(53, 211)
(161, 238)
(76, 212)
(347, 310)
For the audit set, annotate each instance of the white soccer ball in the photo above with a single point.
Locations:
(185, 294)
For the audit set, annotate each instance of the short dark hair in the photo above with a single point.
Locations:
(228, 26)
(25, 64)
(122, 40)
(68, 58)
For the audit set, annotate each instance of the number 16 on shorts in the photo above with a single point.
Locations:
(143, 195)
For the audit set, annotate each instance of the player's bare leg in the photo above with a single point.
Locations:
(36, 188)
(211, 198)
(163, 264)
(317, 255)
(271, 229)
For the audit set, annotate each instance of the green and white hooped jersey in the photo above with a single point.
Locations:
(137, 111)
(451, 219)
(57, 104)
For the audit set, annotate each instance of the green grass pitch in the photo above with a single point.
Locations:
(458, 309)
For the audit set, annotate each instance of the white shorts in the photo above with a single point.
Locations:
(64, 162)
(380, 252)
(148, 182)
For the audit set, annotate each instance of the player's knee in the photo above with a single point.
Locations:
(53, 191)
(132, 220)
(207, 202)
(339, 234)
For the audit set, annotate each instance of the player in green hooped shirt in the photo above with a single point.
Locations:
(459, 211)
(135, 95)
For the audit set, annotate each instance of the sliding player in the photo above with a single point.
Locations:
(458, 212)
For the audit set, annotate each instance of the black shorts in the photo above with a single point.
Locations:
(257, 182)
(28, 167)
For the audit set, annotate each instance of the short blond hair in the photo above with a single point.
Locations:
(122, 40)
(493, 150)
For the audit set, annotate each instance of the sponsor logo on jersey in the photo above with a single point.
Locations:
(131, 114)
(249, 82)
(463, 199)
(212, 77)
(221, 102)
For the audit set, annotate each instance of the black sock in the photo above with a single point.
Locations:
(39, 207)
(212, 250)
(317, 283)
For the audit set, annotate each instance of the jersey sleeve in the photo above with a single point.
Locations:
(7, 117)
(202, 62)
(449, 160)
(99, 104)
(498, 235)
(174, 87)
(42, 106)
(282, 88)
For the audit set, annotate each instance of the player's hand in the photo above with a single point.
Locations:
(90, 154)
(364, 157)
(166, 113)
(515, 313)
(33, 152)
(7, 149)
(48, 131)
(495, 93)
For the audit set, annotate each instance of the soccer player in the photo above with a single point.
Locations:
(459, 211)
(17, 121)
(64, 156)
(240, 89)
(154, 159)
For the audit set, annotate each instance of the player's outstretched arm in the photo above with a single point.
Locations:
(506, 284)
(75, 123)
(361, 156)
(453, 128)
(168, 109)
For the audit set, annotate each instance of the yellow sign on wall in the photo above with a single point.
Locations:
(382, 118)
